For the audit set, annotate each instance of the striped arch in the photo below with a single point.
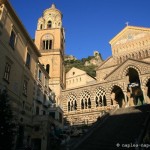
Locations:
(117, 95)
(125, 71)
(115, 84)
(146, 85)
(85, 99)
(146, 81)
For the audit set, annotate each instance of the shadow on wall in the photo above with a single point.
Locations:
(125, 126)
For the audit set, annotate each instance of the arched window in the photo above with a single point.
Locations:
(49, 24)
(37, 110)
(44, 112)
(89, 103)
(120, 59)
(85, 100)
(47, 68)
(69, 106)
(140, 56)
(146, 53)
(47, 42)
(41, 26)
(75, 105)
(72, 102)
(82, 104)
(100, 98)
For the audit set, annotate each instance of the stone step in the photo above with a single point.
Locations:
(122, 127)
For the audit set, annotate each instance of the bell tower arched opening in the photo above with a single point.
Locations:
(49, 24)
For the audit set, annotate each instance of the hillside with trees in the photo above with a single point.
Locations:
(88, 64)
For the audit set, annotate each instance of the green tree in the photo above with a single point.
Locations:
(7, 125)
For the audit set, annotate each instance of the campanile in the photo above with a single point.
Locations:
(50, 40)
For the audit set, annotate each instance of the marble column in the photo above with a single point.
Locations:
(108, 98)
(145, 97)
(125, 98)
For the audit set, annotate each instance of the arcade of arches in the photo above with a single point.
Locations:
(90, 101)
(119, 84)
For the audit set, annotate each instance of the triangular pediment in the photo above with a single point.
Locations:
(74, 72)
(130, 33)
(118, 73)
(107, 63)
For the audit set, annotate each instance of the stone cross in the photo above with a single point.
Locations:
(127, 23)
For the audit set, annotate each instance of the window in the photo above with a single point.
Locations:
(72, 103)
(100, 99)
(44, 112)
(12, 39)
(40, 75)
(25, 84)
(52, 114)
(7, 72)
(23, 104)
(85, 100)
(37, 110)
(28, 60)
(44, 99)
(47, 44)
(46, 82)
(49, 24)
(47, 68)
(41, 26)
(60, 117)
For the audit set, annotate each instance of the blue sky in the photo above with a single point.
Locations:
(89, 24)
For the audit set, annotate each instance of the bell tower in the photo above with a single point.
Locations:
(50, 40)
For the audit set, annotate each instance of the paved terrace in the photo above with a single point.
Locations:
(124, 126)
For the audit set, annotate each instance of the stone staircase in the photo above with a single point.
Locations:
(20, 148)
(124, 126)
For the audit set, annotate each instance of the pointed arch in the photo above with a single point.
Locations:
(72, 102)
(47, 68)
(125, 71)
(85, 99)
(100, 97)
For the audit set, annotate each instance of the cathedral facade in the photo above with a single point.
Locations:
(122, 80)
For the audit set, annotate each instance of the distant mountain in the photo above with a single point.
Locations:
(88, 64)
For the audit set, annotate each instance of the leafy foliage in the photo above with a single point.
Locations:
(80, 65)
(7, 126)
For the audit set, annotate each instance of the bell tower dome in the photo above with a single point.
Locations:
(50, 40)
(52, 18)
